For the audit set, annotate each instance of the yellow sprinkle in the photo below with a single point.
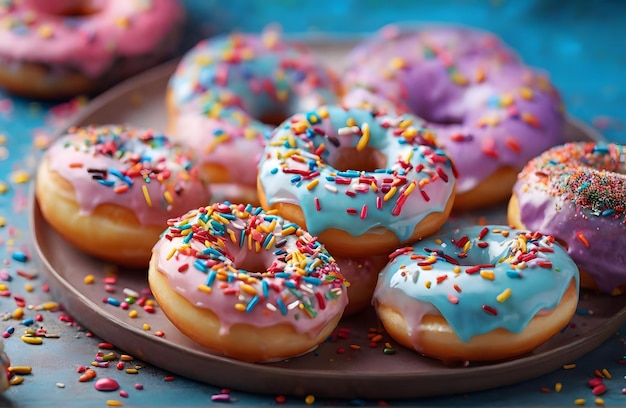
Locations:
(599, 401)
(506, 100)
(48, 306)
(21, 370)
(146, 195)
(203, 59)
(606, 373)
(45, 31)
(580, 401)
(29, 287)
(150, 302)
(131, 371)
(390, 193)
(409, 132)
(526, 93)
(405, 123)
(32, 340)
(146, 326)
(21, 177)
(3, 222)
(365, 137)
(309, 400)
(89, 279)
(4, 187)
(171, 253)
(459, 79)
(410, 188)
(123, 22)
(240, 307)
(427, 284)
(397, 63)
(205, 289)
(314, 183)
(323, 112)
(350, 122)
(114, 403)
(467, 245)
(288, 231)
(132, 314)
(18, 313)
(249, 289)
(506, 293)
(457, 269)
(16, 380)
(487, 274)
(569, 366)
(558, 387)
(168, 197)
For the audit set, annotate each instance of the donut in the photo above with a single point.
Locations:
(477, 294)
(270, 78)
(227, 143)
(5, 363)
(490, 112)
(58, 49)
(362, 181)
(109, 190)
(361, 273)
(246, 283)
(577, 193)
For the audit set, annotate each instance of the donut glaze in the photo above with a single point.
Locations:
(577, 193)
(137, 169)
(46, 32)
(411, 176)
(227, 143)
(270, 78)
(478, 278)
(488, 109)
(249, 268)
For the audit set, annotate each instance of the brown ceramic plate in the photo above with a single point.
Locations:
(337, 369)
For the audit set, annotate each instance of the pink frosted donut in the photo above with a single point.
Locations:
(577, 193)
(227, 143)
(110, 190)
(5, 363)
(61, 48)
(490, 111)
(246, 283)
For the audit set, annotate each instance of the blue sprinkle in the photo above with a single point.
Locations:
(511, 273)
(258, 211)
(312, 280)
(200, 265)
(113, 301)
(295, 178)
(330, 178)
(211, 278)
(600, 149)
(281, 306)
(274, 170)
(607, 212)
(27, 322)
(106, 183)
(252, 304)
(266, 288)
(242, 238)
(290, 284)
(267, 240)
(283, 275)
(248, 208)
(187, 238)
(19, 256)
(348, 173)
(10, 329)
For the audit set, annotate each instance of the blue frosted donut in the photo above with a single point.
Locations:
(363, 181)
(479, 293)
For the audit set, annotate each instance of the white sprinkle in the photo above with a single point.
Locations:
(271, 307)
(60, 385)
(293, 305)
(330, 188)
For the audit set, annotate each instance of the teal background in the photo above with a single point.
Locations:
(580, 43)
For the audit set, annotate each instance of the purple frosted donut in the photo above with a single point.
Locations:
(491, 112)
(577, 193)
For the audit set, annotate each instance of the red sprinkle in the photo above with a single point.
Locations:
(490, 310)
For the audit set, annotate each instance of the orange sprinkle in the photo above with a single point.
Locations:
(582, 239)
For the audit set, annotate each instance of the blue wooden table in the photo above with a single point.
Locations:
(579, 42)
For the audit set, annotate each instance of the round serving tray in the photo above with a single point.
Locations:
(344, 366)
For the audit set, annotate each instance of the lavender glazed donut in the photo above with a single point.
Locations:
(246, 283)
(490, 111)
(577, 192)
(109, 190)
(57, 49)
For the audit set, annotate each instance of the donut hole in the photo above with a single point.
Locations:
(68, 8)
(349, 158)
